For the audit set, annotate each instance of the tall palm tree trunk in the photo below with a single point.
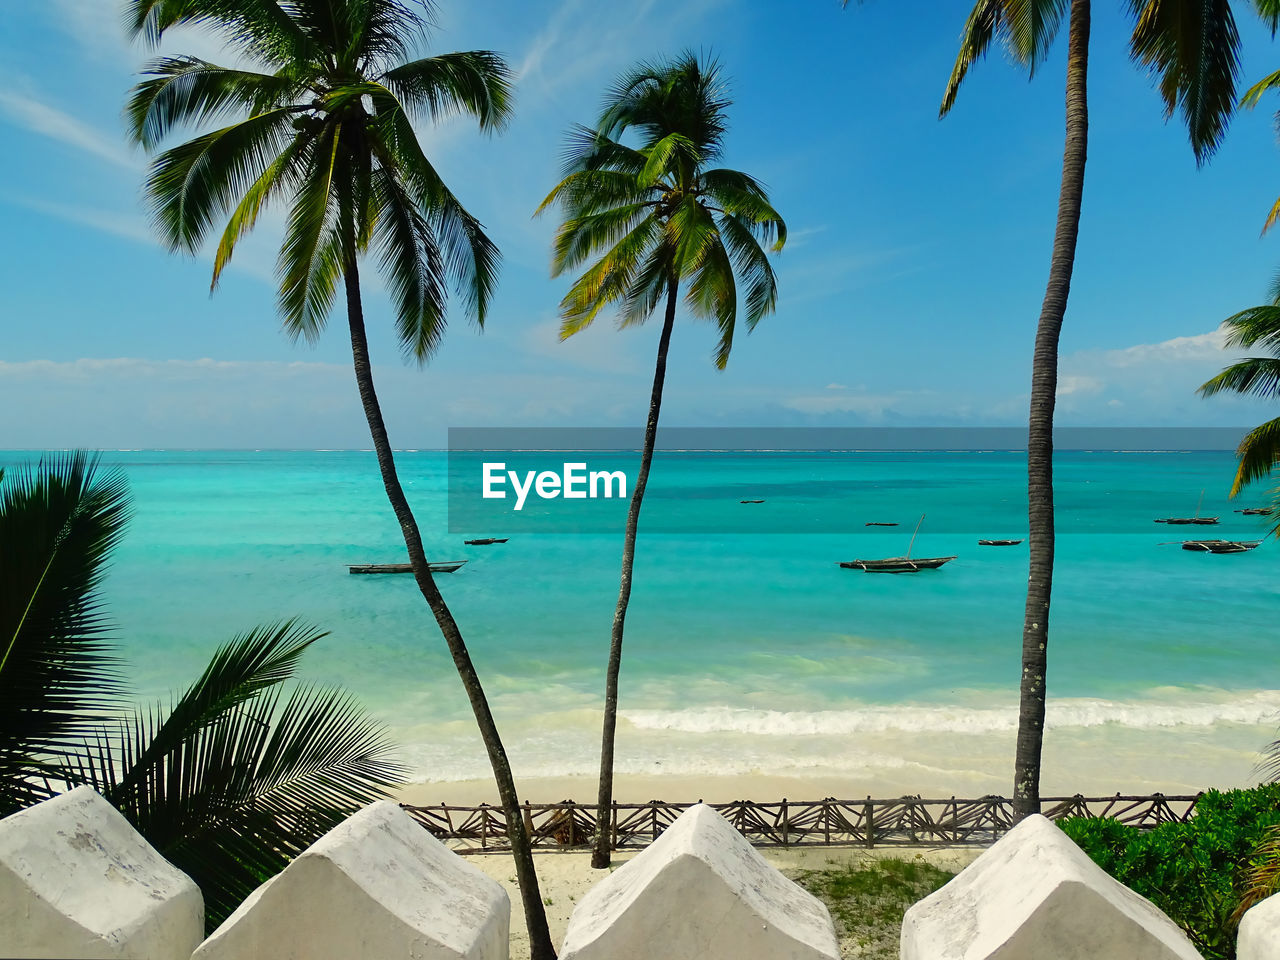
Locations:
(600, 856)
(535, 914)
(1044, 385)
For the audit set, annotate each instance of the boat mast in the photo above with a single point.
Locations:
(1199, 504)
(913, 537)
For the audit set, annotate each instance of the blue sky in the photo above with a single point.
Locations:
(909, 291)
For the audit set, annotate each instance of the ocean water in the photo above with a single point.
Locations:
(749, 653)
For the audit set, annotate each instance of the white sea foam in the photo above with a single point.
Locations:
(1252, 709)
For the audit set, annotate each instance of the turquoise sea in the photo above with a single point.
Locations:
(745, 653)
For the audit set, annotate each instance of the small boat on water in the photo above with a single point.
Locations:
(896, 564)
(485, 541)
(1256, 511)
(906, 564)
(998, 543)
(1220, 546)
(873, 524)
(751, 501)
(443, 566)
(1196, 520)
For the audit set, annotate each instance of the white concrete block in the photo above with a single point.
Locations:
(1036, 895)
(1259, 937)
(699, 892)
(376, 887)
(77, 881)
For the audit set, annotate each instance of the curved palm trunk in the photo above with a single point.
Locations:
(1044, 385)
(535, 914)
(600, 856)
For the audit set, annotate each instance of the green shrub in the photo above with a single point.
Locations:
(1196, 871)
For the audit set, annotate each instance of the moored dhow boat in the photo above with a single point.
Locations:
(1197, 519)
(751, 501)
(1256, 511)
(1220, 546)
(874, 524)
(906, 564)
(998, 543)
(896, 564)
(443, 566)
(485, 541)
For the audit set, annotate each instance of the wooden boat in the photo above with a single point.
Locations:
(751, 501)
(1220, 546)
(906, 564)
(1256, 511)
(998, 543)
(896, 564)
(444, 566)
(873, 524)
(1196, 520)
(485, 541)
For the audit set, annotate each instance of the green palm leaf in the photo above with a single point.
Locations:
(58, 674)
(231, 783)
(477, 83)
(1193, 46)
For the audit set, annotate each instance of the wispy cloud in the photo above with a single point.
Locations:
(22, 109)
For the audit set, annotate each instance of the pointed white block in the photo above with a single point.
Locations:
(77, 881)
(1260, 931)
(1036, 895)
(699, 892)
(376, 887)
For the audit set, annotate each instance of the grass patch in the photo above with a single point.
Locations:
(867, 901)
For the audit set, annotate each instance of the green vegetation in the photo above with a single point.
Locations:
(1256, 327)
(230, 781)
(1200, 873)
(867, 900)
(658, 216)
(323, 114)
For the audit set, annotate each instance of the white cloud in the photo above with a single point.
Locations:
(26, 111)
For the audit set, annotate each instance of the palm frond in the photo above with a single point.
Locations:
(1194, 47)
(233, 781)
(1253, 96)
(609, 280)
(471, 259)
(1258, 454)
(262, 28)
(672, 149)
(1262, 878)
(195, 182)
(1256, 326)
(477, 83)
(59, 523)
(753, 269)
(310, 261)
(580, 237)
(280, 177)
(587, 192)
(1269, 11)
(410, 259)
(986, 18)
(713, 294)
(744, 197)
(1259, 376)
(1031, 27)
(191, 91)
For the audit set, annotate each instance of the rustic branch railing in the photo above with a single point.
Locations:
(905, 821)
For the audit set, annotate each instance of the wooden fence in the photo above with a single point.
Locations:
(906, 821)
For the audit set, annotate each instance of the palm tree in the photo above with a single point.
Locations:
(228, 783)
(1259, 451)
(658, 215)
(1193, 47)
(324, 124)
